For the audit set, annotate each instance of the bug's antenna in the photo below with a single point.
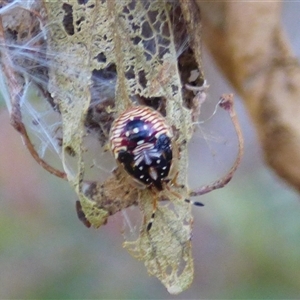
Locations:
(226, 102)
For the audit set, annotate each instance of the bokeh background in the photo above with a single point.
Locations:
(246, 240)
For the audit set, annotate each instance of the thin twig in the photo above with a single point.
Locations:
(226, 102)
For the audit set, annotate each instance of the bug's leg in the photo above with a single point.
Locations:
(106, 147)
(153, 212)
(196, 203)
(174, 183)
(226, 102)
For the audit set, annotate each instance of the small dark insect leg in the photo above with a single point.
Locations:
(153, 212)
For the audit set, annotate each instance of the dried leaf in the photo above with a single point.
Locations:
(99, 58)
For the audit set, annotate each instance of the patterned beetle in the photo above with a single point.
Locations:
(141, 141)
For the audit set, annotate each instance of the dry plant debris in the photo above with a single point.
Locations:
(249, 44)
(70, 68)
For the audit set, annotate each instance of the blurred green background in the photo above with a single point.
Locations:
(246, 240)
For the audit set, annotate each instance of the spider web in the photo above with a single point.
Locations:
(80, 65)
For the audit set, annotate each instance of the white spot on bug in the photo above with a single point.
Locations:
(127, 133)
(145, 127)
(140, 142)
(162, 173)
(164, 167)
(141, 168)
(142, 176)
(158, 161)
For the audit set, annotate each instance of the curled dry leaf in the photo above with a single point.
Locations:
(249, 45)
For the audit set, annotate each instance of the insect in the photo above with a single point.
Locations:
(143, 143)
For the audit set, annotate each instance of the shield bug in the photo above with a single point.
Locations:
(141, 141)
